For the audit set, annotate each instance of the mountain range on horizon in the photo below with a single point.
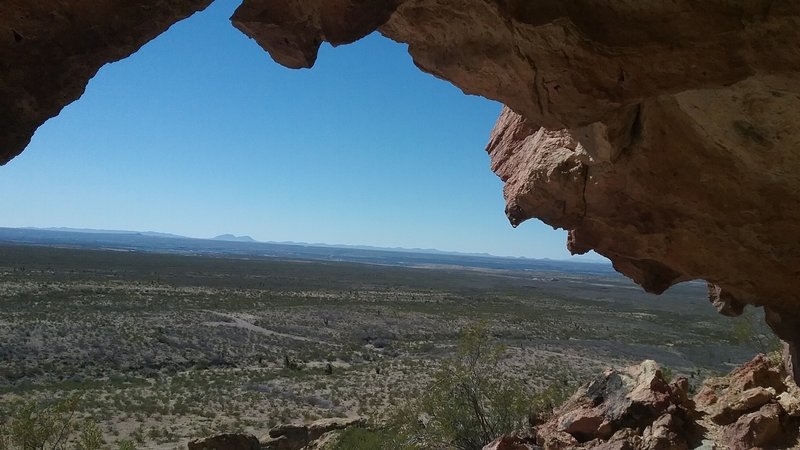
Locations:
(228, 237)
(233, 238)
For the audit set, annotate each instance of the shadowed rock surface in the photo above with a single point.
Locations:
(229, 441)
(304, 436)
(280, 437)
(662, 135)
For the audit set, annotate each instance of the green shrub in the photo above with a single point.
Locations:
(90, 438)
(543, 402)
(36, 426)
(369, 439)
(751, 330)
(126, 445)
(470, 402)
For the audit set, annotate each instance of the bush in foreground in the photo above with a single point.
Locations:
(471, 401)
(36, 426)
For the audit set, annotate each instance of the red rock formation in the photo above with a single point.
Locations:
(746, 404)
(758, 429)
(663, 135)
(637, 409)
(508, 443)
(634, 408)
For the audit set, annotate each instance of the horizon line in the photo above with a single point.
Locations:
(589, 259)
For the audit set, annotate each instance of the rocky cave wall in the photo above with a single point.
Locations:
(663, 135)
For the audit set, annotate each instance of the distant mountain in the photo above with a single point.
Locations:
(159, 234)
(233, 238)
(247, 247)
(431, 251)
(94, 231)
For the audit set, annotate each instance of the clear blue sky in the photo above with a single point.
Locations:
(200, 133)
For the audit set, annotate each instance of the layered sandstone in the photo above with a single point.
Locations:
(663, 135)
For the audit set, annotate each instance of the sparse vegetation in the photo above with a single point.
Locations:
(37, 426)
(472, 399)
(383, 437)
(750, 329)
(163, 348)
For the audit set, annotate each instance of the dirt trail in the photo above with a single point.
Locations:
(238, 322)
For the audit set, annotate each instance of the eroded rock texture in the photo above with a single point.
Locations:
(636, 405)
(663, 135)
(637, 408)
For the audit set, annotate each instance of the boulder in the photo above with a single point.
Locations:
(286, 437)
(614, 410)
(322, 426)
(556, 440)
(507, 443)
(228, 441)
(299, 436)
(665, 433)
(277, 443)
(679, 388)
(757, 429)
(707, 396)
(759, 371)
(744, 390)
(733, 405)
(790, 402)
(623, 439)
(636, 409)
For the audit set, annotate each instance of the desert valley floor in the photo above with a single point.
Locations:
(165, 347)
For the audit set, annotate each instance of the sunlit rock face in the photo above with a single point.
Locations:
(50, 49)
(754, 406)
(663, 135)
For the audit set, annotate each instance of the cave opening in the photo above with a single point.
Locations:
(669, 169)
(200, 133)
